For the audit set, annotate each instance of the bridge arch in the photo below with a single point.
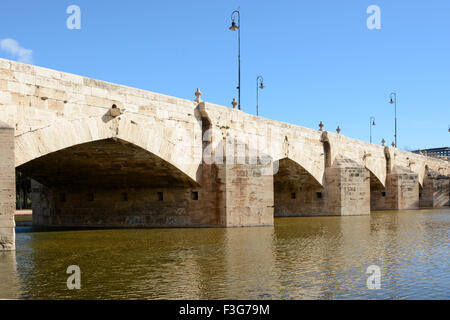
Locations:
(115, 173)
(64, 134)
(377, 175)
(311, 163)
(300, 172)
(295, 189)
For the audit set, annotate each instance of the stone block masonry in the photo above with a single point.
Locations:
(435, 192)
(348, 188)
(401, 191)
(7, 188)
(346, 191)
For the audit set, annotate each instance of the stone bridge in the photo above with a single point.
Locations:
(106, 155)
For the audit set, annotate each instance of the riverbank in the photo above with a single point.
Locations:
(23, 218)
(23, 212)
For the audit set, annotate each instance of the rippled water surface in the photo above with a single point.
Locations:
(299, 258)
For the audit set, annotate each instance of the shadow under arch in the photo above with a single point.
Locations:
(375, 181)
(65, 134)
(109, 183)
(377, 191)
(295, 190)
(107, 163)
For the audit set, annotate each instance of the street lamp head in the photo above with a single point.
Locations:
(393, 98)
(260, 80)
(234, 26)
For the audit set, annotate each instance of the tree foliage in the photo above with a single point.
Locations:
(23, 190)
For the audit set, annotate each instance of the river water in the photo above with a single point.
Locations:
(298, 258)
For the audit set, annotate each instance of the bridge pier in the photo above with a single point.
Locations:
(7, 188)
(400, 193)
(245, 195)
(348, 188)
(436, 190)
(239, 185)
(345, 191)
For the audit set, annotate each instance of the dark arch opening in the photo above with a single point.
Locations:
(296, 191)
(107, 183)
(106, 163)
(327, 153)
(378, 194)
(23, 190)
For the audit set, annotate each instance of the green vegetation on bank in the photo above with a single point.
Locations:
(23, 190)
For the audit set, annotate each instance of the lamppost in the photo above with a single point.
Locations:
(237, 27)
(372, 124)
(259, 85)
(394, 102)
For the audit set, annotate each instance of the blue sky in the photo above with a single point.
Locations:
(319, 60)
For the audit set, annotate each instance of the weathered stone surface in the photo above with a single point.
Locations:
(248, 195)
(7, 187)
(348, 188)
(436, 190)
(346, 191)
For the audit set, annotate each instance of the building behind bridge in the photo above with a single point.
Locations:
(436, 152)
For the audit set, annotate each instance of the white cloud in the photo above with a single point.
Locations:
(13, 48)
